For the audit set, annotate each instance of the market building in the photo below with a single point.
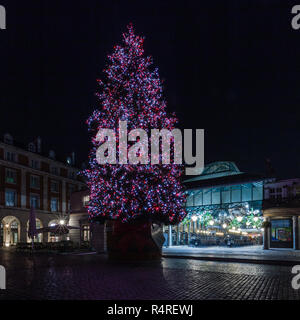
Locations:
(224, 207)
(281, 208)
(31, 178)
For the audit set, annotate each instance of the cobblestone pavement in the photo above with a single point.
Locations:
(93, 277)
(246, 252)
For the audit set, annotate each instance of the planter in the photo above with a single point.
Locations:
(138, 240)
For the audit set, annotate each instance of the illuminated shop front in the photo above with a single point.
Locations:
(224, 208)
(281, 233)
(281, 209)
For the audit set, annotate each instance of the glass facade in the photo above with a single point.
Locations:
(224, 207)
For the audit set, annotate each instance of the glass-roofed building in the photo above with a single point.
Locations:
(224, 207)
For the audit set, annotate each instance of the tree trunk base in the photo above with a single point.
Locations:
(137, 240)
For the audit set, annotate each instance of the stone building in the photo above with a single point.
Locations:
(281, 209)
(31, 178)
(93, 234)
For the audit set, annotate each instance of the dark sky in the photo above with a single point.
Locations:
(230, 67)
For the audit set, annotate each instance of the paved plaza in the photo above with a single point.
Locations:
(92, 276)
(249, 253)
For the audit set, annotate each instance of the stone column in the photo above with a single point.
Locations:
(23, 231)
(170, 236)
(189, 233)
(6, 233)
(178, 235)
(295, 233)
(45, 237)
(266, 236)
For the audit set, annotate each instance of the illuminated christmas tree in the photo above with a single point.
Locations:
(132, 91)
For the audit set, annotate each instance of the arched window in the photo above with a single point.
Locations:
(14, 230)
(39, 236)
(52, 236)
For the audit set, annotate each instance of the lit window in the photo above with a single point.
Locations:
(10, 198)
(86, 233)
(35, 201)
(10, 176)
(54, 204)
(86, 200)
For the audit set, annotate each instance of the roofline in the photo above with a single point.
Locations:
(210, 183)
(39, 155)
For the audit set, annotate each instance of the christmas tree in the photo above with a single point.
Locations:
(132, 91)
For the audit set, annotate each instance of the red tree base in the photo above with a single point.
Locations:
(132, 241)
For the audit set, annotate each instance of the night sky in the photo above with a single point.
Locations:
(230, 67)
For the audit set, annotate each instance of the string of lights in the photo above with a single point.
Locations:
(132, 91)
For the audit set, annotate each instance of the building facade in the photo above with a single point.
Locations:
(79, 217)
(224, 207)
(29, 178)
(281, 210)
(90, 234)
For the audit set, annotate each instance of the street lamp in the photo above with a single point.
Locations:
(224, 225)
(61, 222)
(194, 218)
(211, 222)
